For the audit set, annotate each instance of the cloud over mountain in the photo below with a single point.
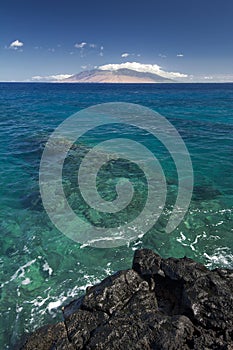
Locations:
(128, 72)
(144, 68)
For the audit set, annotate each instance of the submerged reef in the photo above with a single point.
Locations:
(158, 304)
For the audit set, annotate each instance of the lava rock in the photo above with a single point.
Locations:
(167, 304)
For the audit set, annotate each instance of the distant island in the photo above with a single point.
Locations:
(122, 75)
(125, 73)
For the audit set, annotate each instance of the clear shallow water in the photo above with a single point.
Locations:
(40, 268)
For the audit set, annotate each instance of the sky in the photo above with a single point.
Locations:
(57, 38)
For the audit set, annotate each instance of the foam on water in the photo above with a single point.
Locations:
(20, 273)
(220, 257)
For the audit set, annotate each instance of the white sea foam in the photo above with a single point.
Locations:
(55, 304)
(26, 281)
(101, 239)
(195, 242)
(18, 309)
(220, 257)
(46, 267)
(20, 273)
(218, 223)
(39, 301)
(182, 239)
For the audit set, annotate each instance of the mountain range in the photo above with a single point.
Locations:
(122, 75)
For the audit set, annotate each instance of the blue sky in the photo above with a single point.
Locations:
(38, 38)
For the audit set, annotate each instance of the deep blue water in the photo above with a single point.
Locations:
(40, 267)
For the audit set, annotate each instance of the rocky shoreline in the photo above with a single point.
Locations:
(167, 304)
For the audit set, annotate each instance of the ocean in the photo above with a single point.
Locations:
(41, 268)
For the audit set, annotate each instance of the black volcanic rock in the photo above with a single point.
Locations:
(167, 304)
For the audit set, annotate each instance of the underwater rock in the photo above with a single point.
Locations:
(32, 201)
(205, 193)
(158, 304)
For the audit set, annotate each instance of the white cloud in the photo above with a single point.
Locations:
(125, 54)
(179, 55)
(87, 48)
(101, 51)
(80, 45)
(215, 78)
(146, 68)
(56, 77)
(16, 44)
(162, 55)
(87, 67)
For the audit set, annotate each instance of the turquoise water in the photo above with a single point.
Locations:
(41, 269)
